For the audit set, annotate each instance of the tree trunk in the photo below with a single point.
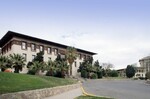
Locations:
(70, 69)
(16, 70)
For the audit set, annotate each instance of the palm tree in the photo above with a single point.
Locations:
(37, 67)
(71, 56)
(4, 63)
(50, 66)
(18, 62)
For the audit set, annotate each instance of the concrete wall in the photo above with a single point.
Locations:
(39, 93)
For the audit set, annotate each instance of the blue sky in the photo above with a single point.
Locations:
(118, 30)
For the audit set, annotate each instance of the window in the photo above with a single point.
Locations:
(56, 51)
(33, 47)
(41, 48)
(80, 56)
(48, 50)
(49, 58)
(25, 56)
(75, 64)
(84, 56)
(80, 63)
(24, 45)
(33, 56)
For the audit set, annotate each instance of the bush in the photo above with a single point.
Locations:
(94, 76)
(99, 74)
(31, 72)
(142, 78)
(147, 75)
(113, 73)
(84, 73)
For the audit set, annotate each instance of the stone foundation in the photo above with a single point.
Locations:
(39, 93)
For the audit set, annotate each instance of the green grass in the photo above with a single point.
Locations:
(12, 82)
(91, 97)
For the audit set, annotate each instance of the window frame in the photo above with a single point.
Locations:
(24, 47)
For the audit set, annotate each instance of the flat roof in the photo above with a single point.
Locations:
(10, 34)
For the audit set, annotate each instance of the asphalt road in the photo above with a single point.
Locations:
(118, 89)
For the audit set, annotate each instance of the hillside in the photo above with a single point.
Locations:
(11, 82)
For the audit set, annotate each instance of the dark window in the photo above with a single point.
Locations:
(33, 47)
(41, 48)
(24, 45)
(49, 50)
(25, 56)
(75, 64)
(80, 56)
(33, 56)
(55, 51)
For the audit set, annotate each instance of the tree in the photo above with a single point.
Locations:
(107, 68)
(71, 56)
(130, 71)
(4, 63)
(147, 75)
(39, 57)
(37, 67)
(18, 62)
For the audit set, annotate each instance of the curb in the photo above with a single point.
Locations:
(88, 94)
(85, 93)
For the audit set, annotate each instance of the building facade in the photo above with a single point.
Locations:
(145, 62)
(140, 72)
(28, 47)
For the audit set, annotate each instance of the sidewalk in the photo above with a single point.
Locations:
(67, 95)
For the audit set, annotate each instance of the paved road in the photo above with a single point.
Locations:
(118, 89)
(67, 95)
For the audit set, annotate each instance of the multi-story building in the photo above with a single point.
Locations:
(145, 62)
(122, 72)
(28, 46)
(140, 72)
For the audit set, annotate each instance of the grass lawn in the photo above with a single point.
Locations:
(12, 82)
(91, 97)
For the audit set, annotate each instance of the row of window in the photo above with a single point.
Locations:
(41, 48)
(33, 56)
(6, 48)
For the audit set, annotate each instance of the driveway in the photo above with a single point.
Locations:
(118, 89)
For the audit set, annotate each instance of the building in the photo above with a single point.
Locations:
(28, 46)
(122, 72)
(145, 62)
(140, 72)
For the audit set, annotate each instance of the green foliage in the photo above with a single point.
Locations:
(18, 62)
(57, 68)
(147, 75)
(13, 82)
(94, 76)
(37, 67)
(99, 74)
(130, 71)
(39, 57)
(71, 55)
(31, 72)
(84, 74)
(113, 73)
(5, 63)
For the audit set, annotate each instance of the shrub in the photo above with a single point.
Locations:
(147, 75)
(84, 73)
(99, 74)
(142, 78)
(113, 73)
(31, 72)
(94, 76)
(130, 71)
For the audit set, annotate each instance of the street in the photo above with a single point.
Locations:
(118, 89)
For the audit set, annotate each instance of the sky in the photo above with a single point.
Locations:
(117, 30)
